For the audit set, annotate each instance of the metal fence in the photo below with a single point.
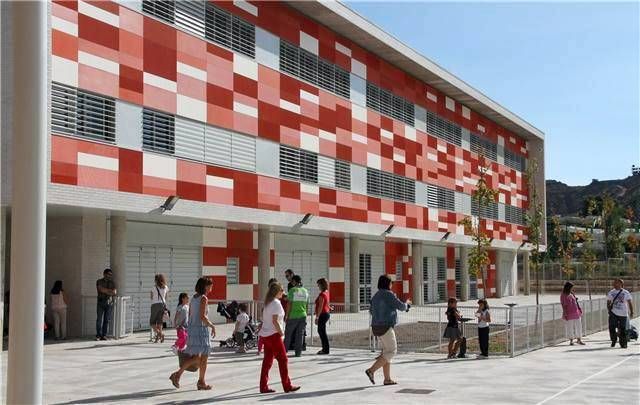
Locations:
(122, 316)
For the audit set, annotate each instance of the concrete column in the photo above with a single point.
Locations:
(417, 271)
(506, 273)
(118, 252)
(264, 261)
(464, 273)
(526, 271)
(354, 273)
(29, 206)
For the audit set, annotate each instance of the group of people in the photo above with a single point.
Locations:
(619, 308)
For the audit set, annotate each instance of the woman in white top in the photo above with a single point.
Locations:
(158, 296)
(59, 310)
(272, 332)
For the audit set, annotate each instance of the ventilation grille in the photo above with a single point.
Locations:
(514, 161)
(514, 215)
(162, 9)
(158, 132)
(343, 175)
(490, 211)
(392, 186)
(230, 31)
(83, 114)
(298, 164)
(484, 147)
(389, 104)
(190, 15)
(443, 129)
(232, 270)
(307, 66)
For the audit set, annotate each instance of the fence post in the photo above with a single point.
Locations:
(553, 319)
(513, 331)
(540, 318)
(311, 316)
(439, 328)
(528, 335)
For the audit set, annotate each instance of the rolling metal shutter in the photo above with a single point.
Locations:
(218, 146)
(186, 268)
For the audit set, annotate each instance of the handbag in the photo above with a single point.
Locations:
(166, 314)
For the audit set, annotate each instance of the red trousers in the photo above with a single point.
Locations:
(274, 348)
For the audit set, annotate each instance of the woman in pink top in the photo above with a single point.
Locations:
(571, 313)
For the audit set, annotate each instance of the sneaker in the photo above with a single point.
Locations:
(322, 352)
(613, 344)
(98, 337)
(103, 338)
(481, 357)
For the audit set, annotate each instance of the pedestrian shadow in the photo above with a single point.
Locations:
(138, 358)
(120, 398)
(107, 345)
(298, 395)
(590, 349)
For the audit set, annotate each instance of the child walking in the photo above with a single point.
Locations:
(241, 323)
(180, 322)
(452, 332)
(484, 318)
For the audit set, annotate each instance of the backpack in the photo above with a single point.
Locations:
(632, 333)
(463, 348)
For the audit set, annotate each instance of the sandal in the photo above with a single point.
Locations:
(389, 382)
(370, 375)
(203, 386)
(161, 337)
(175, 380)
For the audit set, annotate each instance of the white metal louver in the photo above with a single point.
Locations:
(365, 278)
(342, 174)
(190, 15)
(243, 152)
(162, 9)
(233, 272)
(442, 278)
(289, 162)
(158, 131)
(189, 139)
(484, 147)
(326, 171)
(218, 146)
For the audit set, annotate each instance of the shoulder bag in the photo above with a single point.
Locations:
(610, 303)
(166, 314)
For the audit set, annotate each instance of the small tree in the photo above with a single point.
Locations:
(534, 219)
(588, 260)
(482, 196)
(565, 246)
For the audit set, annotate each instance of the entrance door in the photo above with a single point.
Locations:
(434, 279)
(309, 265)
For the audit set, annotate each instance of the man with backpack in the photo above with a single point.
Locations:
(620, 307)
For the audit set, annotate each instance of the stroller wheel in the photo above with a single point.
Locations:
(250, 344)
(231, 342)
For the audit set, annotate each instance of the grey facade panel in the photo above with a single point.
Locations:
(358, 90)
(358, 179)
(421, 118)
(267, 158)
(501, 212)
(267, 49)
(500, 154)
(128, 125)
(466, 139)
(421, 194)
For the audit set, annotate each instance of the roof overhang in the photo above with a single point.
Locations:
(346, 22)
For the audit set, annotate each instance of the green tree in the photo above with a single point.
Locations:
(482, 196)
(613, 225)
(566, 241)
(588, 260)
(534, 220)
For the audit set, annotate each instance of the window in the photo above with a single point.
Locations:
(446, 199)
(364, 274)
(343, 174)
(484, 147)
(162, 9)
(81, 113)
(158, 132)
(298, 164)
(230, 31)
(442, 278)
(458, 274)
(392, 186)
(514, 160)
(425, 279)
(443, 129)
(389, 104)
(307, 66)
(233, 274)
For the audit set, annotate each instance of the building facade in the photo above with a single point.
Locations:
(256, 114)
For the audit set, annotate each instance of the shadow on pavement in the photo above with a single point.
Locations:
(138, 358)
(119, 398)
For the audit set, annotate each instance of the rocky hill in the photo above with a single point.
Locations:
(568, 200)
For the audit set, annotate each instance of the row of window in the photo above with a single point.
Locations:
(219, 26)
(307, 66)
(204, 19)
(87, 115)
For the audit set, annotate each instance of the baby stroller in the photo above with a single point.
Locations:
(249, 336)
(228, 311)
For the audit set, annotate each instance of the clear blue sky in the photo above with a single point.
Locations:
(570, 69)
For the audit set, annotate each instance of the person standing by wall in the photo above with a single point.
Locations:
(199, 339)
(620, 308)
(484, 318)
(296, 315)
(384, 316)
(571, 313)
(59, 310)
(106, 298)
(158, 296)
(322, 312)
(272, 333)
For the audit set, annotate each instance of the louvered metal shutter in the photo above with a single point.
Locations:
(443, 129)
(243, 37)
(189, 139)
(343, 175)
(218, 25)
(373, 97)
(425, 279)
(458, 275)
(243, 152)
(289, 58)
(308, 166)
(365, 278)
(374, 186)
(398, 270)
(377, 269)
(158, 132)
(96, 117)
(484, 147)
(218, 146)
(308, 66)
(63, 109)
(446, 199)
(186, 268)
(442, 278)
(342, 82)
(289, 162)
(133, 285)
(326, 171)
(432, 196)
(190, 15)
(326, 75)
(514, 161)
(162, 9)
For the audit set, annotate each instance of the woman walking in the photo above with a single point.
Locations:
(322, 310)
(158, 296)
(384, 316)
(272, 332)
(571, 313)
(59, 310)
(199, 339)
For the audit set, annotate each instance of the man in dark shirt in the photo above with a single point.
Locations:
(288, 274)
(106, 293)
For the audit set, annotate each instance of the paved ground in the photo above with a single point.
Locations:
(135, 371)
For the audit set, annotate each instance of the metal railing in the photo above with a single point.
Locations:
(122, 317)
